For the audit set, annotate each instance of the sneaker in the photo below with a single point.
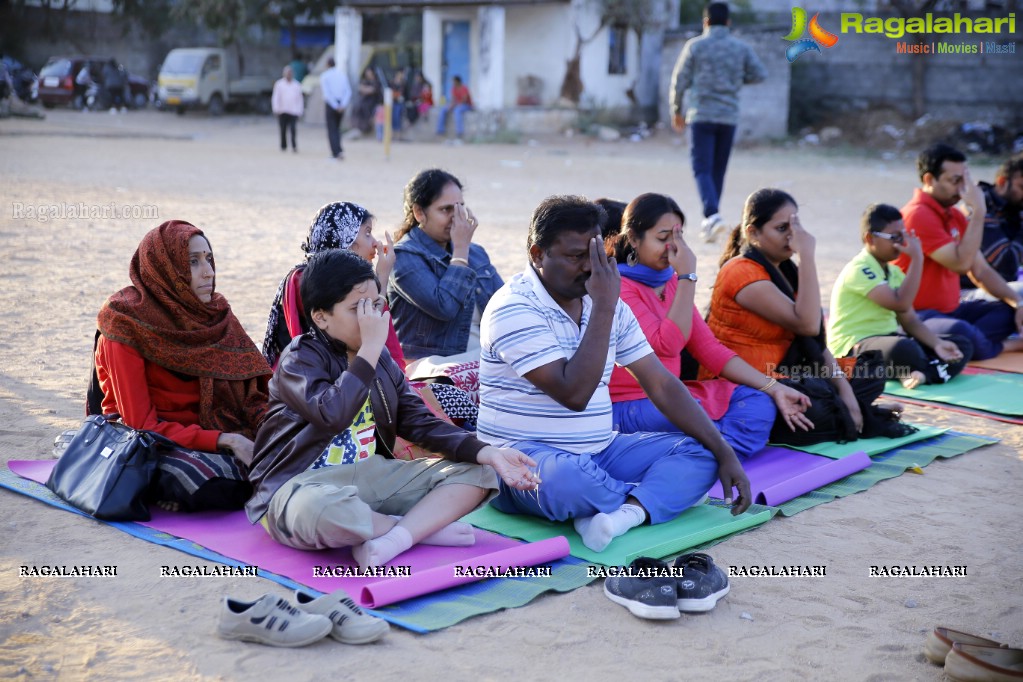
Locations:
(61, 442)
(270, 620)
(711, 227)
(653, 598)
(352, 625)
(703, 583)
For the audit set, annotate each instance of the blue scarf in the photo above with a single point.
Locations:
(644, 275)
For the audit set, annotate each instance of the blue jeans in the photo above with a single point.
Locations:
(667, 473)
(709, 148)
(442, 118)
(745, 426)
(985, 323)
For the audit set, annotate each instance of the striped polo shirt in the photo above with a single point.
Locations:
(522, 329)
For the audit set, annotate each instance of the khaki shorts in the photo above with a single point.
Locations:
(333, 506)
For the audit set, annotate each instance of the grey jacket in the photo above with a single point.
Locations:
(315, 394)
(713, 67)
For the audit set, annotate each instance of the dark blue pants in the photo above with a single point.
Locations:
(985, 323)
(709, 148)
(666, 472)
(334, 129)
(745, 426)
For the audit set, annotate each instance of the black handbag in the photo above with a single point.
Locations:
(107, 469)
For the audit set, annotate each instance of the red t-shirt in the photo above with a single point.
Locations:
(936, 226)
(150, 397)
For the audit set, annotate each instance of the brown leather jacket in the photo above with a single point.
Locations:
(315, 395)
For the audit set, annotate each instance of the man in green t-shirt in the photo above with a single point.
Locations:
(872, 300)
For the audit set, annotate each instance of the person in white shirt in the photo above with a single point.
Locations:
(288, 104)
(551, 336)
(337, 93)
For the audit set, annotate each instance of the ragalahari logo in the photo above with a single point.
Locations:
(818, 36)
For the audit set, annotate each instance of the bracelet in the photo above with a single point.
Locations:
(768, 385)
(463, 261)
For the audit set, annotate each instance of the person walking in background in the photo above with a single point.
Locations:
(337, 93)
(288, 105)
(459, 103)
(713, 67)
(299, 67)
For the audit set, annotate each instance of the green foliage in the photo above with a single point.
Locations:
(152, 16)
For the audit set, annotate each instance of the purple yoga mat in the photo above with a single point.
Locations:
(777, 475)
(431, 568)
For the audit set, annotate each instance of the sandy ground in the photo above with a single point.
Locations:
(255, 203)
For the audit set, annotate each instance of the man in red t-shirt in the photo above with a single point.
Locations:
(460, 102)
(951, 241)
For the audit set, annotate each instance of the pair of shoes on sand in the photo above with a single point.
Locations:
(276, 621)
(969, 658)
(653, 589)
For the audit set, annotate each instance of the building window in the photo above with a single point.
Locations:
(616, 49)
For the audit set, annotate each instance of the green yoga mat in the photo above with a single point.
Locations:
(696, 526)
(998, 393)
(888, 465)
(871, 446)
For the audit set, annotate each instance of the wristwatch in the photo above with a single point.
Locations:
(691, 277)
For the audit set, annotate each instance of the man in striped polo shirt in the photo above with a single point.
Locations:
(550, 338)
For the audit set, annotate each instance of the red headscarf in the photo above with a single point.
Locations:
(163, 319)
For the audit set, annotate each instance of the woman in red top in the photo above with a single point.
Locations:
(658, 283)
(172, 358)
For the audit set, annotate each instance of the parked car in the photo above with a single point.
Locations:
(57, 83)
(205, 78)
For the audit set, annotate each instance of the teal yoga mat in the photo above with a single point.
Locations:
(422, 614)
(696, 526)
(997, 393)
(889, 465)
(871, 446)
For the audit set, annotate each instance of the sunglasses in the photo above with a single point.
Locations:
(897, 238)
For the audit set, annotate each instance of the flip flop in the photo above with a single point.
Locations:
(974, 663)
(939, 642)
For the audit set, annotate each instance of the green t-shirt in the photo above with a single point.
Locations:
(853, 315)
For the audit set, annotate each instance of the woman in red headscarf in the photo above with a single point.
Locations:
(172, 358)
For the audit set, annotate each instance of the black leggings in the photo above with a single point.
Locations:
(903, 354)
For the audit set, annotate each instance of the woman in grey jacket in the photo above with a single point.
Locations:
(322, 470)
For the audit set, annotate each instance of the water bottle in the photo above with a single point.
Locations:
(61, 442)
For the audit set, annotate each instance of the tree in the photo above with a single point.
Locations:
(629, 14)
(229, 19)
(152, 16)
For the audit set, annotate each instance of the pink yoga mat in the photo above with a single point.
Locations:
(431, 568)
(777, 475)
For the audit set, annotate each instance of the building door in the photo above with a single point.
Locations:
(455, 57)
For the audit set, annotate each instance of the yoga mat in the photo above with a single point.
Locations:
(871, 446)
(777, 475)
(996, 393)
(1006, 362)
(693, 527)
(889, 465)
(431, 568)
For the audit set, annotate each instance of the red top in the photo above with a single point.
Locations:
(668, 342)
(936, 226)
(757, 340)
(460, 95)
(147, 396)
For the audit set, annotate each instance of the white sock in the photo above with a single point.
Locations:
(455, 534)
(379, 551)
(599, 530)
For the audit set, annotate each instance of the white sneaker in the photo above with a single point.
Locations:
(271, 620)
(711, 227)
(352, 625)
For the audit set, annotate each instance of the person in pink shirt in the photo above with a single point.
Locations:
(288, 104)
(658, 283)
